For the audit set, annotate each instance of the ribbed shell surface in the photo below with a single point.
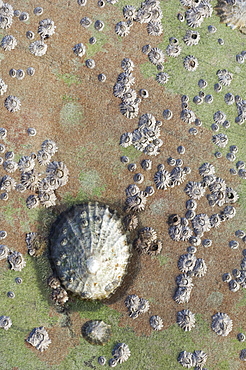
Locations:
(89, 250)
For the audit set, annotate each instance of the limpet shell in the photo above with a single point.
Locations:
(94, 259)
(96, 332)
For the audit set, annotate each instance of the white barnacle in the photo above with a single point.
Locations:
(224, 76)
(120, 89)
(173, 50)
(47, 198)
(154, 28)
(79, 49)
(219, 117)
(201, 358)
(137, 202)
(126, 78)
(206, 169)
(243, 354)
(184, 281)
(201, 223)
(162, 78)
(26, 163)
(121, 352)
(190, 63)
(127, 65)
(187, 262)
(156, 322)
(43, 157)
(8, 43)
(130, 12)
(131, 190)
(4, 251)
(234, 285)
(177, 176)
(156, 56)
(162, 179)
(38, 48)
(49, 146)
(221, 324)
(30, 179)
(85, 22)
(194, 190)
(5, 322)
(129, 109)
(12, 103)
(122, 29)
(32, 201)
(129, 96)
(194, 17)
(186, 320)
(59, 171)
(3, 87)
(39, 338)
(182, 294)
(126, 139)
(46, 28)
(16, 261)
(7, 183)
(187, 359)
(191, 38)
(38, 10)
(200, 267)
(220, 140)
(188, 116)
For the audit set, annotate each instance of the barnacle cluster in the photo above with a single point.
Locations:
(196, 359)
(147, 242)
(136, 306)
(56, 175)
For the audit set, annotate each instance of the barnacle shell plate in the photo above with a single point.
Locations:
(89, 250)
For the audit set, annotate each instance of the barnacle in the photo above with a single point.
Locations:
(130, 12)
(232, 12)
(39, 338)
(191, 38)
(10, 166)
(186, 262)
(187, 115)
(30, 180)
(187, 359)
(156, 56)
(156, 322)
(162, 179)
(43, 157)
(206, 169)
(221, 324)
(136, 203)
(46, 28)
(7, 183)
(195, 190)
(186, 319)
(173, 50)
(121, 352)
(58, 171)
(49, 146)
(154, 28)
(201, 223)
(122, 29)
(32, 201)
(3, 87)
(224, 76)
(177, 176)
(5, 322)
(182, 294)
(120, 89)
(129, 109)
(85, 22)
(12, 103)
(47, 198)
(79, 49)
(127, 65)
(190, 63)
(26, 164)
(220, 140)
(59, 296)
(126, 78)
(8, 43)
(38, 48)
(16, 261)
(201, 358)
(200, 267)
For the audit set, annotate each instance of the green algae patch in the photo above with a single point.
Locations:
(69, 79)
(163, 260)
(148, 70)
(91, 183)
(131, 152)
(71, 114)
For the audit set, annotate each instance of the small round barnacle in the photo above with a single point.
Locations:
(167, 114)
(221, 41)
(122, 29)
(234, 286)
(187, 115)
(10, 166)
(226, 124)
(96, 332)
(38, 48)
(240, 165)
(90, 63)
(191, 204)
(138, 178)
(240, 58)
(38, 10)
(20, 74)
(24, 16)
(241, 337)
(30, 35)
(10, 294)
(181, 149)
(180, 17)
(8, 43)
(85, 22)
(3, 234)
(154, 28)
(215, 127)
(144, 93)
(190, 63)
(146, 49)
(197, 100)
(101, 3)
(240, 233)
(162, 78)
(79, 49)
(146, 164)
(156, 56)
(208, 98)
(231, 157)
(101, 77)
(233, 244)
(4, 252)
(12, 72)
(2, 148)
(99, 25)
(102, 360)
(156, 322)
(202, 83)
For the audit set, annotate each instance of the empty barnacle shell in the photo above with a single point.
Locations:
(221, 324)
(156, 322)
(38, 48)
(144, 93)
(85, 22)
(187, 359)
(96, 332)
(186, 262)
(121, 352)
(90, 269)
(130, 222)
(186, 320)
(187, 115)
(162, 179)
(122, 29)
(38, 10)
(190, 63)
(79, 49)
(154, 248)
(16, 261)
(194, 190)
(7, 183)
(46, 28)
(4, 251)
(8, 43)
(39, 338)
(191, 38)
(5, 322)
(12, 103)
(156, 56)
